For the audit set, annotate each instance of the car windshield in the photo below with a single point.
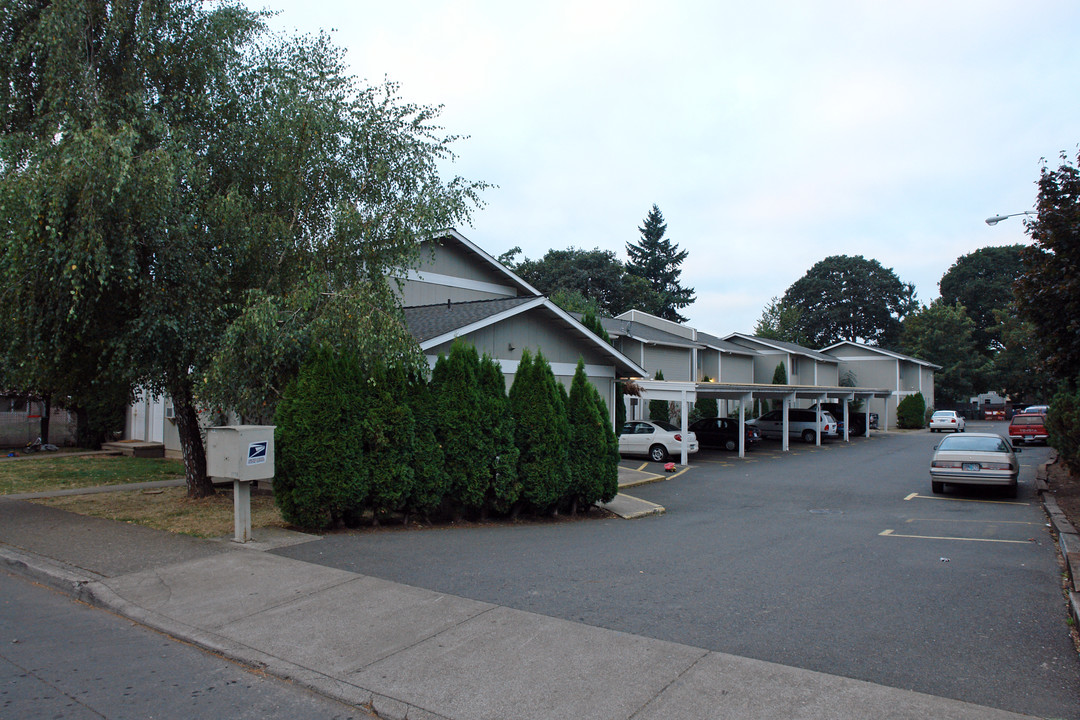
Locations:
(973, 443)
(665, 426)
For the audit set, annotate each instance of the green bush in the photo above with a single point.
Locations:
(593, 453)
(428, 462)
(497, 427)
(320, 476)
(1063, 424)
(620, 408)
(541, 433)
(911, 412)
(455, 387)
(707, 407)
(658, 409)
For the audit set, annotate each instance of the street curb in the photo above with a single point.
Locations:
(1068, 541)
(90, 588)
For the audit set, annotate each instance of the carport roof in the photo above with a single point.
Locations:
(673, 390)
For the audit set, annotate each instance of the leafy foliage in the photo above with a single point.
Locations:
(657, 260)
(1048, 293)
(579, 280)
(541, 433)
(779, 376)
(707, 407)
(161, 161)
(1063, 424)
(780, 322)
(1017, 369)
(982, 282)
(911, 412)
(850, 298)
(943, 334)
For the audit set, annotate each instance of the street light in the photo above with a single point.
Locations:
(998, 218)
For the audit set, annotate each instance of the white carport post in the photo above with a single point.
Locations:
(866, 430)
(743, 402)
(847, 422)
(785, 442)
(685, 430)
(817, 419)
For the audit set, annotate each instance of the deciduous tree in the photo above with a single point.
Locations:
(942, 334)
(850, 298)
(982, 282)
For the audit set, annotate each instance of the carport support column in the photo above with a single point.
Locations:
(746, 400)
(685, 429)
(785, 442)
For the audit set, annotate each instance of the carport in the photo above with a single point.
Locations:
(688, 392)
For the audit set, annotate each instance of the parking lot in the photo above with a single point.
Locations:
(835, 558)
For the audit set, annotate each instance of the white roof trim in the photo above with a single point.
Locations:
(590, 334)
(880, 351)
(779, 348)
(451, 232)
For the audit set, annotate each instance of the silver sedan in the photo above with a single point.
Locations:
(975, 459)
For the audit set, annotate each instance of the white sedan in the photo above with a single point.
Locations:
(975, 459)
(950, 420)
(657, 439)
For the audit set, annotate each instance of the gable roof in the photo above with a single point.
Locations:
(645, 333)
(450, 235)
(724, 346)
(433, 325)
(784, 346)
(880, 351)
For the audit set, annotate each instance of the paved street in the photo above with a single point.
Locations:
(62, 659)
(836, 559)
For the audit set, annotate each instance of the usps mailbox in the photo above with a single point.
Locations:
(241, 453)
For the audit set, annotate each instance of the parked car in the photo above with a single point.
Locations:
(1028, 427)
(975, 459)
(723, 433)
(656, 439)
(950, 420)
(1040, 409)
(857, 419)
(802, 423)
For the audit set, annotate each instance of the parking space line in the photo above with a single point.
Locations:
(891, 533)
(984, 522)
(913, 496)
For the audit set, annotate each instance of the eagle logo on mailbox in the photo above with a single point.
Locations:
(256, 453)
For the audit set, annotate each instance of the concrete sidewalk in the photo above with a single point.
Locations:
(406, 652)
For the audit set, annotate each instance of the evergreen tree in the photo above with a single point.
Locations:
(620, 408)
(388, 438)
(656, 259)
(428, 461)
(320, 476)
(541, 433)
(455, 385)
(497, 425)
(658, 409)
(593, 457)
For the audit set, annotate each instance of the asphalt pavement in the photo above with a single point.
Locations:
(409, 652)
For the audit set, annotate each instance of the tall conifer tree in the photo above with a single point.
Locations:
(658, 260)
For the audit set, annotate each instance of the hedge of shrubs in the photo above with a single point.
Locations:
(355, 444)
(911, 412)
(1063, 424)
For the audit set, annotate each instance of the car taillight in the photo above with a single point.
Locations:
(946, 464)
(996, 466)
(952, 420)
(678, 437)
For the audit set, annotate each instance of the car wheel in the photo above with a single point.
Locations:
(658, 453)
(729, 445)
(808, 436)
(937, 487)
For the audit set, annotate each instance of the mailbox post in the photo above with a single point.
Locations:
(242, 453)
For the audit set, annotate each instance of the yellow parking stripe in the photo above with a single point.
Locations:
(891, 533)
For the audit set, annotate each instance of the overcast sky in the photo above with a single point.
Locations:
(771, 134)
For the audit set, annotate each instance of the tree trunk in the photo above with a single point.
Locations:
(46, 413)
(191, 444)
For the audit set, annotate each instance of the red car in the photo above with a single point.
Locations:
(1028, 427)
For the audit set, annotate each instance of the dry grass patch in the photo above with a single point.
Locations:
(172, 510)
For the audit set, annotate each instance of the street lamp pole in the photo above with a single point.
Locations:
(998, 218)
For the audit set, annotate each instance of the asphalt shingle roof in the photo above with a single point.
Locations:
(430, 321)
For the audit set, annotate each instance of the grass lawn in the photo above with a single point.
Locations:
(164, 509)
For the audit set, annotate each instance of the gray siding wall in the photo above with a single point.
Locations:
(451, 273)
(675, 362)
(710, 364)
(765, 366)
(737, 369)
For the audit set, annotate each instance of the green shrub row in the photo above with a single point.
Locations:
(355, 442)
(911, 412)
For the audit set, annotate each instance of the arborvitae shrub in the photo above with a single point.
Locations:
(428, 461)
(911, 411)
(320, 475)
(706, 407)
(541, 433)
(455, 385)
(658, 409)
(501, 455)
(594, 468)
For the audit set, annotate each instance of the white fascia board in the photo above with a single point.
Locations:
(510, 367)
(425, 276)
(806, 352)
(599, 342)
(451, 232)
(480, 324)
(888, 354)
